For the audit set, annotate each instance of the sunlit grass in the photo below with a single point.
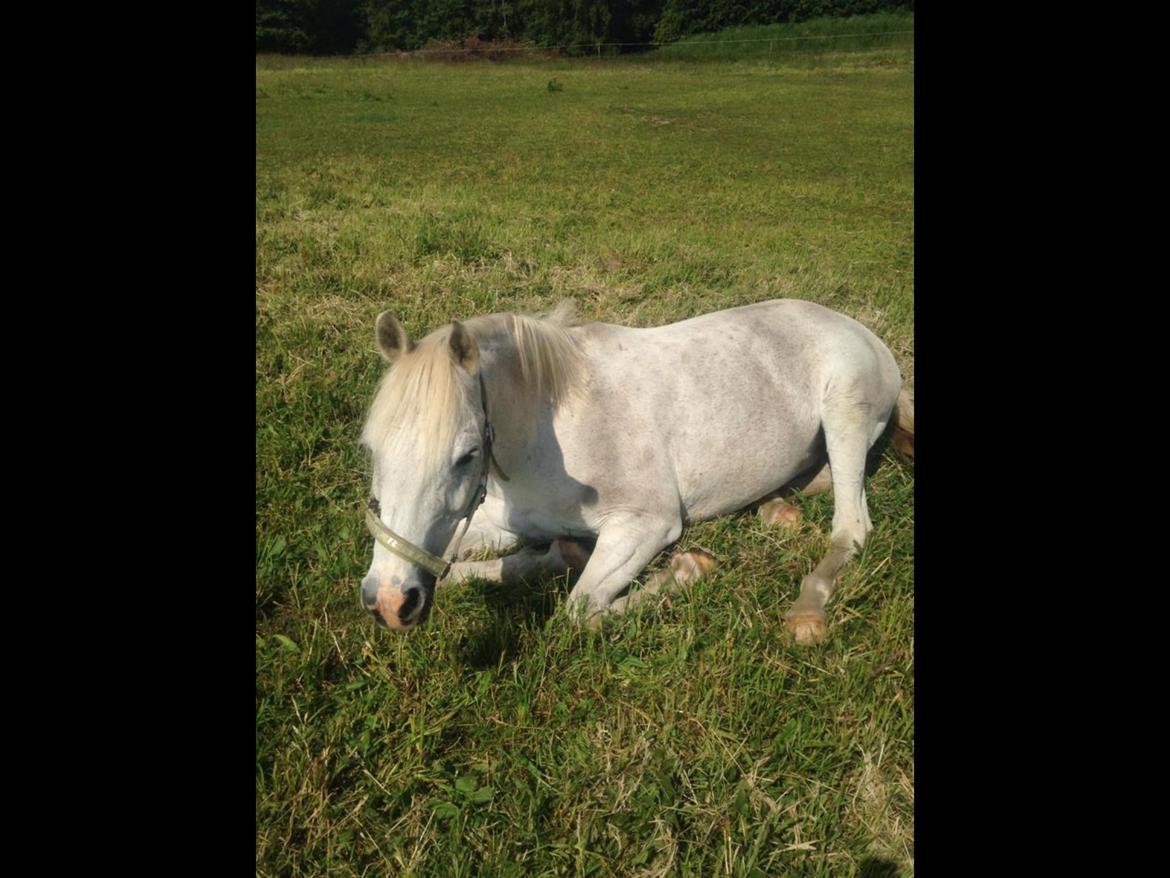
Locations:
(500, 740)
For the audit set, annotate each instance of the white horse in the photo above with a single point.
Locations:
(568, 432)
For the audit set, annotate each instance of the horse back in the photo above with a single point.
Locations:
(726, 406)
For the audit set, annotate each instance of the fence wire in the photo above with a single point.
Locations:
(488, 48)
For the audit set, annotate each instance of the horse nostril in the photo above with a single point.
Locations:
(409, 603)
(369, 595)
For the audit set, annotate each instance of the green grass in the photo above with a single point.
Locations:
(694, 739)
(881, 38)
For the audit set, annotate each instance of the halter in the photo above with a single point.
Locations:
(417, 555)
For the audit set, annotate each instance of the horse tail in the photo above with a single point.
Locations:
(903, 433)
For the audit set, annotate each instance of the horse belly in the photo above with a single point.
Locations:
(722, 470)
(727, 404)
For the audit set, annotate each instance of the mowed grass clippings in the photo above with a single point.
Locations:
(689, 739)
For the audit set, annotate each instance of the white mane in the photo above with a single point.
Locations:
(423, 391)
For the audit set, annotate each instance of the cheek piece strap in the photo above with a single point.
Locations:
(417, 555)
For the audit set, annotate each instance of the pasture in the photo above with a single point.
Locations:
(500, 740)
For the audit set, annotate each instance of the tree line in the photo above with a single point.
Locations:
(328, 27)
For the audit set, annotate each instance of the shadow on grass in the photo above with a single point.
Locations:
(517, 610)
(875, 868)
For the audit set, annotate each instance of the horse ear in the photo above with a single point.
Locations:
(464, 350)
(392, 339)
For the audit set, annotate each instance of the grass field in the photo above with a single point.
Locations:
(499, 740)
(881, 38)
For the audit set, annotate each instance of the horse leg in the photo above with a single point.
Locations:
(625, 545)
(903, 432)
(529, 564)
(849, 432)
(822, 481)
(684, 569)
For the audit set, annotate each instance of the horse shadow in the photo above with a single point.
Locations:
(872, 867)
(516, 610)
(519, 607)
(523, 603)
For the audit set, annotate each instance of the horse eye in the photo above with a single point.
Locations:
(467, 458)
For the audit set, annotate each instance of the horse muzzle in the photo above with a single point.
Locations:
(396, 604)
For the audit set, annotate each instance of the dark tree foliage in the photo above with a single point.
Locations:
(585, 23)
(279, 27)
(319, 27)
(333, 26)
(410, 24)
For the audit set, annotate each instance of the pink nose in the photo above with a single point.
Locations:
(397, 608)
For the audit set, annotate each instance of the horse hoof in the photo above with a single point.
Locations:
(692, 565)
(584, 614)
(781, 513)
(807, 628)
(590, 617)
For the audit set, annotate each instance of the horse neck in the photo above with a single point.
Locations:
(515, 412)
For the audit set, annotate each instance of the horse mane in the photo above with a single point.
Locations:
(551, 363)
(423, 389)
